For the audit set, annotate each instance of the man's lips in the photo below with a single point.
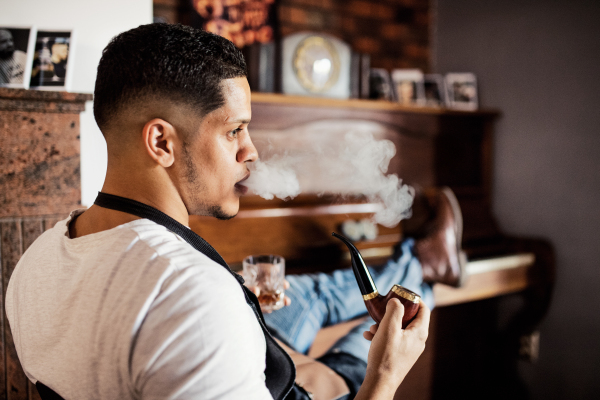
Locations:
(241, 188)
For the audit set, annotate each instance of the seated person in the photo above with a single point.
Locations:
(320, 300)
(123, 300)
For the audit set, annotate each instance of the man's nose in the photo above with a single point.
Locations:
(247, 151)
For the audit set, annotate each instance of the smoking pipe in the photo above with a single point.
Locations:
(375, 302)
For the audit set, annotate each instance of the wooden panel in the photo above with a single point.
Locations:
(16, 382)
(4, 252)
(33, 393)
(300, 234)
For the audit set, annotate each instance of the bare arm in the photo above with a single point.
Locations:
(393, 351)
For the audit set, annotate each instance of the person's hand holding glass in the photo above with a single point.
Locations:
(265, 277)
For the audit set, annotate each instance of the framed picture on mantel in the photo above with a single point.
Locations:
(435, 90)
(462, 91)
(53, 60)
(408, 84)
(16, 53)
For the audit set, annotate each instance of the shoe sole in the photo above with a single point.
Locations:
(458, 224)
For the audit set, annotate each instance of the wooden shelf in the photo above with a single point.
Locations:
(381, 105)
(43, 101)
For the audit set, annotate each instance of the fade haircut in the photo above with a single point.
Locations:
(170, 62)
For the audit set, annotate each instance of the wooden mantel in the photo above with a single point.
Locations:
(43, 101)
(282, 100)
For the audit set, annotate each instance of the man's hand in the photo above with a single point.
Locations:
(286, 300)
(393, 350)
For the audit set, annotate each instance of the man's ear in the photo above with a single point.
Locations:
(159, 139)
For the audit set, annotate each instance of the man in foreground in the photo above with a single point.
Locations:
(111, 305)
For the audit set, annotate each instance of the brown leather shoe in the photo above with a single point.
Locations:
(439, 250)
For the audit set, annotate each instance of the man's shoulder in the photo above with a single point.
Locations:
(169, 245)
(138, 242)
(185, 262)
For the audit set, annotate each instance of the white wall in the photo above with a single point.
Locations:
(95, 22)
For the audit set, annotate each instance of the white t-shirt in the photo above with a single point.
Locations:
(133, 313)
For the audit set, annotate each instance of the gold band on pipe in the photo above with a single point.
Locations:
(370, 295)
(405, 293)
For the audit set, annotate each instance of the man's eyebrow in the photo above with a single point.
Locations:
(238, 121)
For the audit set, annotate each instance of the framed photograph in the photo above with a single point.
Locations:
(52, 60)
(435, 90)
(408, 85)
(380, 85)
(462, 91)
(16, 53)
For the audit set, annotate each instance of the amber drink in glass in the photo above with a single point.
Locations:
(266, 272)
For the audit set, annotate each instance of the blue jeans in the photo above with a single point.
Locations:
(320, 300)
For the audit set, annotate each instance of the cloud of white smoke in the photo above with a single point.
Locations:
(350, 162)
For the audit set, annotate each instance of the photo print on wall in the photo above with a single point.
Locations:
(16, 53)
(53, 60)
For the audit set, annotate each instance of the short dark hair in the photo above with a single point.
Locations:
(172, 62)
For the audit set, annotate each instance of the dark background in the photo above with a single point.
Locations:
(538, 62)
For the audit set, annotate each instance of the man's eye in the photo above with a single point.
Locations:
(235, 132)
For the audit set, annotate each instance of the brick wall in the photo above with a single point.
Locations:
(394, 32)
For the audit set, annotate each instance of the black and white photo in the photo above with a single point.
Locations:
(16, 50)
(380, 85)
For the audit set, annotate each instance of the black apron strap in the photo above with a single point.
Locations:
(46, 393)
(280, 372)
(142, 210)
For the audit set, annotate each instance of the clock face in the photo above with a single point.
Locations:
(316, 64)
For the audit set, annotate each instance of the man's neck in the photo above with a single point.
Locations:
(97, 219)
(151, 187)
